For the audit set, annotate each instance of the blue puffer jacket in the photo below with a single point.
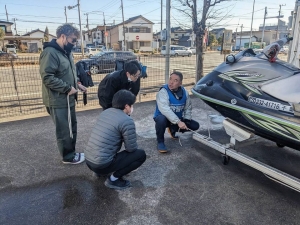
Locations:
(112, 128)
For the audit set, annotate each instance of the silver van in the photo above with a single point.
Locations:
(176, 50)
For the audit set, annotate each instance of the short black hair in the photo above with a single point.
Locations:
(122, 98)
(179, 74)
(67, 29)
(132, 67)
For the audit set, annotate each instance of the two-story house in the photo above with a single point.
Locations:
(6, 27)
(137, 35)
(100, 35)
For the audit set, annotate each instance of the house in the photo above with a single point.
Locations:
(35, 40)
(283, 28)
(218, 32)
(242, 40)
(269, 36)
(137, 34)
(6, 27)
(100, 35)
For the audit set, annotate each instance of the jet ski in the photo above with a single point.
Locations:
(259, 92)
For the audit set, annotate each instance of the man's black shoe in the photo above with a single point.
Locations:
(172, 133)
(117, 184)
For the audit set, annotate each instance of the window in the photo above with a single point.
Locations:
(139, 30)
(3, 28)
(135, 29)
(144, 43)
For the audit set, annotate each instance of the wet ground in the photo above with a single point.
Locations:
(189, 185)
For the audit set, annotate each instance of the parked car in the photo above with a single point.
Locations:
(219, 48)
(92, 51)
(105, 61)
(11, 48)
(192, 49)
(78, 50)
(176, 50)
(7, 56)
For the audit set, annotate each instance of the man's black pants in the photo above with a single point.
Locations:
(123, 163)
(161, 123)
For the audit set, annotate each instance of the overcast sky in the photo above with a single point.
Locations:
(34, 14)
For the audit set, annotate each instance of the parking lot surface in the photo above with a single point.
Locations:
(189, 185)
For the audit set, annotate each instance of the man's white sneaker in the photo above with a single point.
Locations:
(78, 158)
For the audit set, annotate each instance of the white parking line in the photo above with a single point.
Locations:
(15, 95)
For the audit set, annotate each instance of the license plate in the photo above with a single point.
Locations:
(270, 104)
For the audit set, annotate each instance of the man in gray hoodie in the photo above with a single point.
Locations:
(114, 127)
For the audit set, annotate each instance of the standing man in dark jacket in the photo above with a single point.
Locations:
(113, 127)
(128, 79)
(59, 88)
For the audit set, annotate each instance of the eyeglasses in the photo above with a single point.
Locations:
(74, 40)
(136, 75)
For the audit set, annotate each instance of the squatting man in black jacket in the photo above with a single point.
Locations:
(128, 79)
(113, 127)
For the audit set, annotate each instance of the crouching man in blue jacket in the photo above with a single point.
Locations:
(113, 127)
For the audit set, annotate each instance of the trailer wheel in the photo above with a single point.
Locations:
(225, 159)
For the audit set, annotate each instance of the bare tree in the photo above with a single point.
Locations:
(2, 34)
(199, 27)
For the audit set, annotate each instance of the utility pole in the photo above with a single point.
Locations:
(263, 31)
(123, 26)
(235, 38)
(241, 35)
(277, 31)
(66, 14)
(6, 13)
(15, 26)
(105, 31)
(161, 19)
(87, 25)
(81, 38)
(251, 24)
(168, 34)
(294, 50)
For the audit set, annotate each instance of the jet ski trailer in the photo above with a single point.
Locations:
(245, 137)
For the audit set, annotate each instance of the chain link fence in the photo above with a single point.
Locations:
(21, 86)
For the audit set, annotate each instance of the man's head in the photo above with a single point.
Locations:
(67, 36)
(133, 70)
(175, 80)
(124, 100)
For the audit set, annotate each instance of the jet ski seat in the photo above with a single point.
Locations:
(285, 89)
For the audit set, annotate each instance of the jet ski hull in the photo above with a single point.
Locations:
(282, 127)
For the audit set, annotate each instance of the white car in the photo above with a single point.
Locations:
(92, 51)
(192, 49)
(176, 50)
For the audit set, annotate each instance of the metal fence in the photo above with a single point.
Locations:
(20, 81)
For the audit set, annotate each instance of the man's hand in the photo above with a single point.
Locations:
(182, 125)
(82, 88)
(73, 91)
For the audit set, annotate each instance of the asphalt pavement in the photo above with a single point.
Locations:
(189, 185)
